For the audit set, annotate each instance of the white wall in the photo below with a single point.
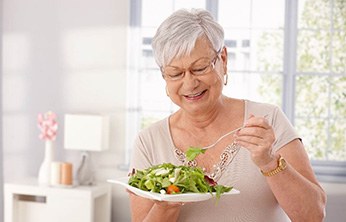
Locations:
(336, 201)
(64, 56)
(1, 149)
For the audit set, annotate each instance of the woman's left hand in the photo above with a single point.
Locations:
(258, 137)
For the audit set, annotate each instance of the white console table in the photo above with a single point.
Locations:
(27, 201)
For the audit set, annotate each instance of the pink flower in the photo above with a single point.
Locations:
(48, 125)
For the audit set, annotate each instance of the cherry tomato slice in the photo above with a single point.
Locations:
(172, 189)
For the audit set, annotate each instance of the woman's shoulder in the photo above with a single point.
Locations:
(260, 108)
(158, 126)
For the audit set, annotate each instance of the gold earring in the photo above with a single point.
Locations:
(225, 79)
(167, 93)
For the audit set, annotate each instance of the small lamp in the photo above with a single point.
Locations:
(86, 133)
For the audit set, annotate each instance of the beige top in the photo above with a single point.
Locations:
(255, 202)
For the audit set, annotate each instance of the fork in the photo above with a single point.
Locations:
(227, 134)
(218, 140)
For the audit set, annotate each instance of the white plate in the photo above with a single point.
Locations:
(185, 197)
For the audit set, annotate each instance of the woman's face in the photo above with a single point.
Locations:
(197, 93)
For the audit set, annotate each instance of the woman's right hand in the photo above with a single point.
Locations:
(168, 205)
(143, 209)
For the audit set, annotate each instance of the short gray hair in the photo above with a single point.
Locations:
(177, 35)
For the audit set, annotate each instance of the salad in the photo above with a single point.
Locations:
(167, 178)
(193, 152)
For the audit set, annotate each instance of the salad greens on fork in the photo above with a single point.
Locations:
(192, 152)
(167, 178)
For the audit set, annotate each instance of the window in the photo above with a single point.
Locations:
(289, 53)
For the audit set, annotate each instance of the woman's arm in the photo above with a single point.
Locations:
(296, 187)
(143, 210)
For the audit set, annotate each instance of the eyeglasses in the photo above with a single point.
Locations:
(198, 68)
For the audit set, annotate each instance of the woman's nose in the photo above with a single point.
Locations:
(190, 80)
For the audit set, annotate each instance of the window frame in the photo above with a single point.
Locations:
(329, 171)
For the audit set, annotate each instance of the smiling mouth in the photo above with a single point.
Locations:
(196, 95)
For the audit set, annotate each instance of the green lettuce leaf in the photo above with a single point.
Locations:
(193, 152)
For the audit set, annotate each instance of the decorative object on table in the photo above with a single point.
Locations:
(55, 173)
(66, 174)
(61, 174)
(87, 133)
(47, 123)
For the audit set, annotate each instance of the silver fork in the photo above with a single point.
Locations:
(218, 140)
(227, 134)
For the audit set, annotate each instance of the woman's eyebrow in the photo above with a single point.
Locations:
(191, 64)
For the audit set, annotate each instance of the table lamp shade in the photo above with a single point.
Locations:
(86, 132)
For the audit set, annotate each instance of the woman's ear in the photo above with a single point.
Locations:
(224, 59)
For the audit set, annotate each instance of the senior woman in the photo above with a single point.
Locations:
(265, 159)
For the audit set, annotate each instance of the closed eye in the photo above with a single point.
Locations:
(176, 75)
(199, 70)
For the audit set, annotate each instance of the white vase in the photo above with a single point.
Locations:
(45, 169)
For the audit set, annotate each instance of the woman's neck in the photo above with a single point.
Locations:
(204, 119)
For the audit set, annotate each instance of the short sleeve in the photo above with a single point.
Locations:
(139, 157)
(283, 129)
